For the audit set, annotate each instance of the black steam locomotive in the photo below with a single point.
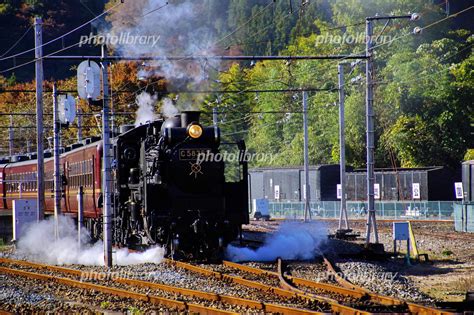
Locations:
(165, 195)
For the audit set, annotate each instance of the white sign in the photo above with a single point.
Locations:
(415, 190)
(88, 80)
(277, 192)
(377, 191)
(24, 213)
(458, 190)
(339, 191)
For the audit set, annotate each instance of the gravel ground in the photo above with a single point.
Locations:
(267, 280)
(307, 268)
(448, 276)
(170, 275)
(450, 273)
(21, 295)
(315, 271)
(383, 278)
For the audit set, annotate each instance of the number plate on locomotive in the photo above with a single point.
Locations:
(191, 154)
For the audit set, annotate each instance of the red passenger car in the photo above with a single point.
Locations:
(80, 166)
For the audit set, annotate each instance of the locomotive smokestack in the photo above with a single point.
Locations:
(188, 117)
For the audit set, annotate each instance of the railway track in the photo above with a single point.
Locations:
(153, 299)
(342, 300)
(303, 296)
(355, 299)
(413, 307)
(184, 299)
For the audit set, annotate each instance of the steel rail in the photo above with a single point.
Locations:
(300, 281)
(267, 307)
(413, 307)
(286, 284)
(347, 288)
(335, 305)
(117, 292)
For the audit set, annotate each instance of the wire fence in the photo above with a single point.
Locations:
(464, 217)
(419, 210)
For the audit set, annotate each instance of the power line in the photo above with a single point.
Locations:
(425, 27)
(156, 9)
(308, 89)
(18, 41)
(50, 114)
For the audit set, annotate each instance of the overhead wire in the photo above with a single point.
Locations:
(17, 42)
(70, 46)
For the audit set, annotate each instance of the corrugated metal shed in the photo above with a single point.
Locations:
(285, 183)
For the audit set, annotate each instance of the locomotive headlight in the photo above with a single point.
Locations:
(194, 131)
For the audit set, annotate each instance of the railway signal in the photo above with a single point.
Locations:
(88, 80)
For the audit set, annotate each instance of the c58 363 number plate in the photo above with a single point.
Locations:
(191, 154)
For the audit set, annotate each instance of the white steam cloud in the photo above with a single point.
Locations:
(293, 240)
(146, 108)
(168, 109)
(182, 31)
(39, 244)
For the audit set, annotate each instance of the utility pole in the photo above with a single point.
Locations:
(57, 169)
(342, 149)
(79, 125)
(111, 99)
(369, 103)
(106, 184)
(307, 195)
(39, 115)
(369, 108)
(214, 116)
(10, 138)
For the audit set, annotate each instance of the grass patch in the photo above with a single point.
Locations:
(446, 252)
(106, 305)
(134, 311)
